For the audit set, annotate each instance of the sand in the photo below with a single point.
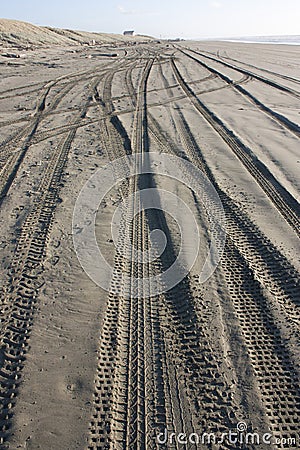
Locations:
(85, 368)
(15, 33)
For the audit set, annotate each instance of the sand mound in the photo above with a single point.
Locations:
(23, 34)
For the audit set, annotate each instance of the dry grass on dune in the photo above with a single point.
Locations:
(23, 34)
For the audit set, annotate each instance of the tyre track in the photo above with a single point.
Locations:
(264, 80)
(269, 266)
(14, 161)
(181, 334)
(157, 366)
(264, 340)
(20, 297)
(280, 197)
(13, 122)
(6, 91)
(209, 77)
(178, 320)
(15, 156)
(279, 118)
(144, 393)
(176, 413)
(136, 338)
(280, 75)
(73, 79)
(270, 358)
(43, 136)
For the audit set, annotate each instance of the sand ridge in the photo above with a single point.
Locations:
(22, 34)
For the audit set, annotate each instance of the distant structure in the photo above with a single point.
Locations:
(128, 33)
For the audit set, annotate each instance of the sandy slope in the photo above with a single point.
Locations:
(22, 34)
(83, 368)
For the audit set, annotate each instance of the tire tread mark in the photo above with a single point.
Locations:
(281, 198)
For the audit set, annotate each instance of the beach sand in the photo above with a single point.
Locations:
(85, 368)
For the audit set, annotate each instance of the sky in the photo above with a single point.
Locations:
(163, 18)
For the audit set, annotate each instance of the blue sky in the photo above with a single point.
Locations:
(162, 18)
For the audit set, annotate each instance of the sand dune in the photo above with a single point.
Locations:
(22, 34)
